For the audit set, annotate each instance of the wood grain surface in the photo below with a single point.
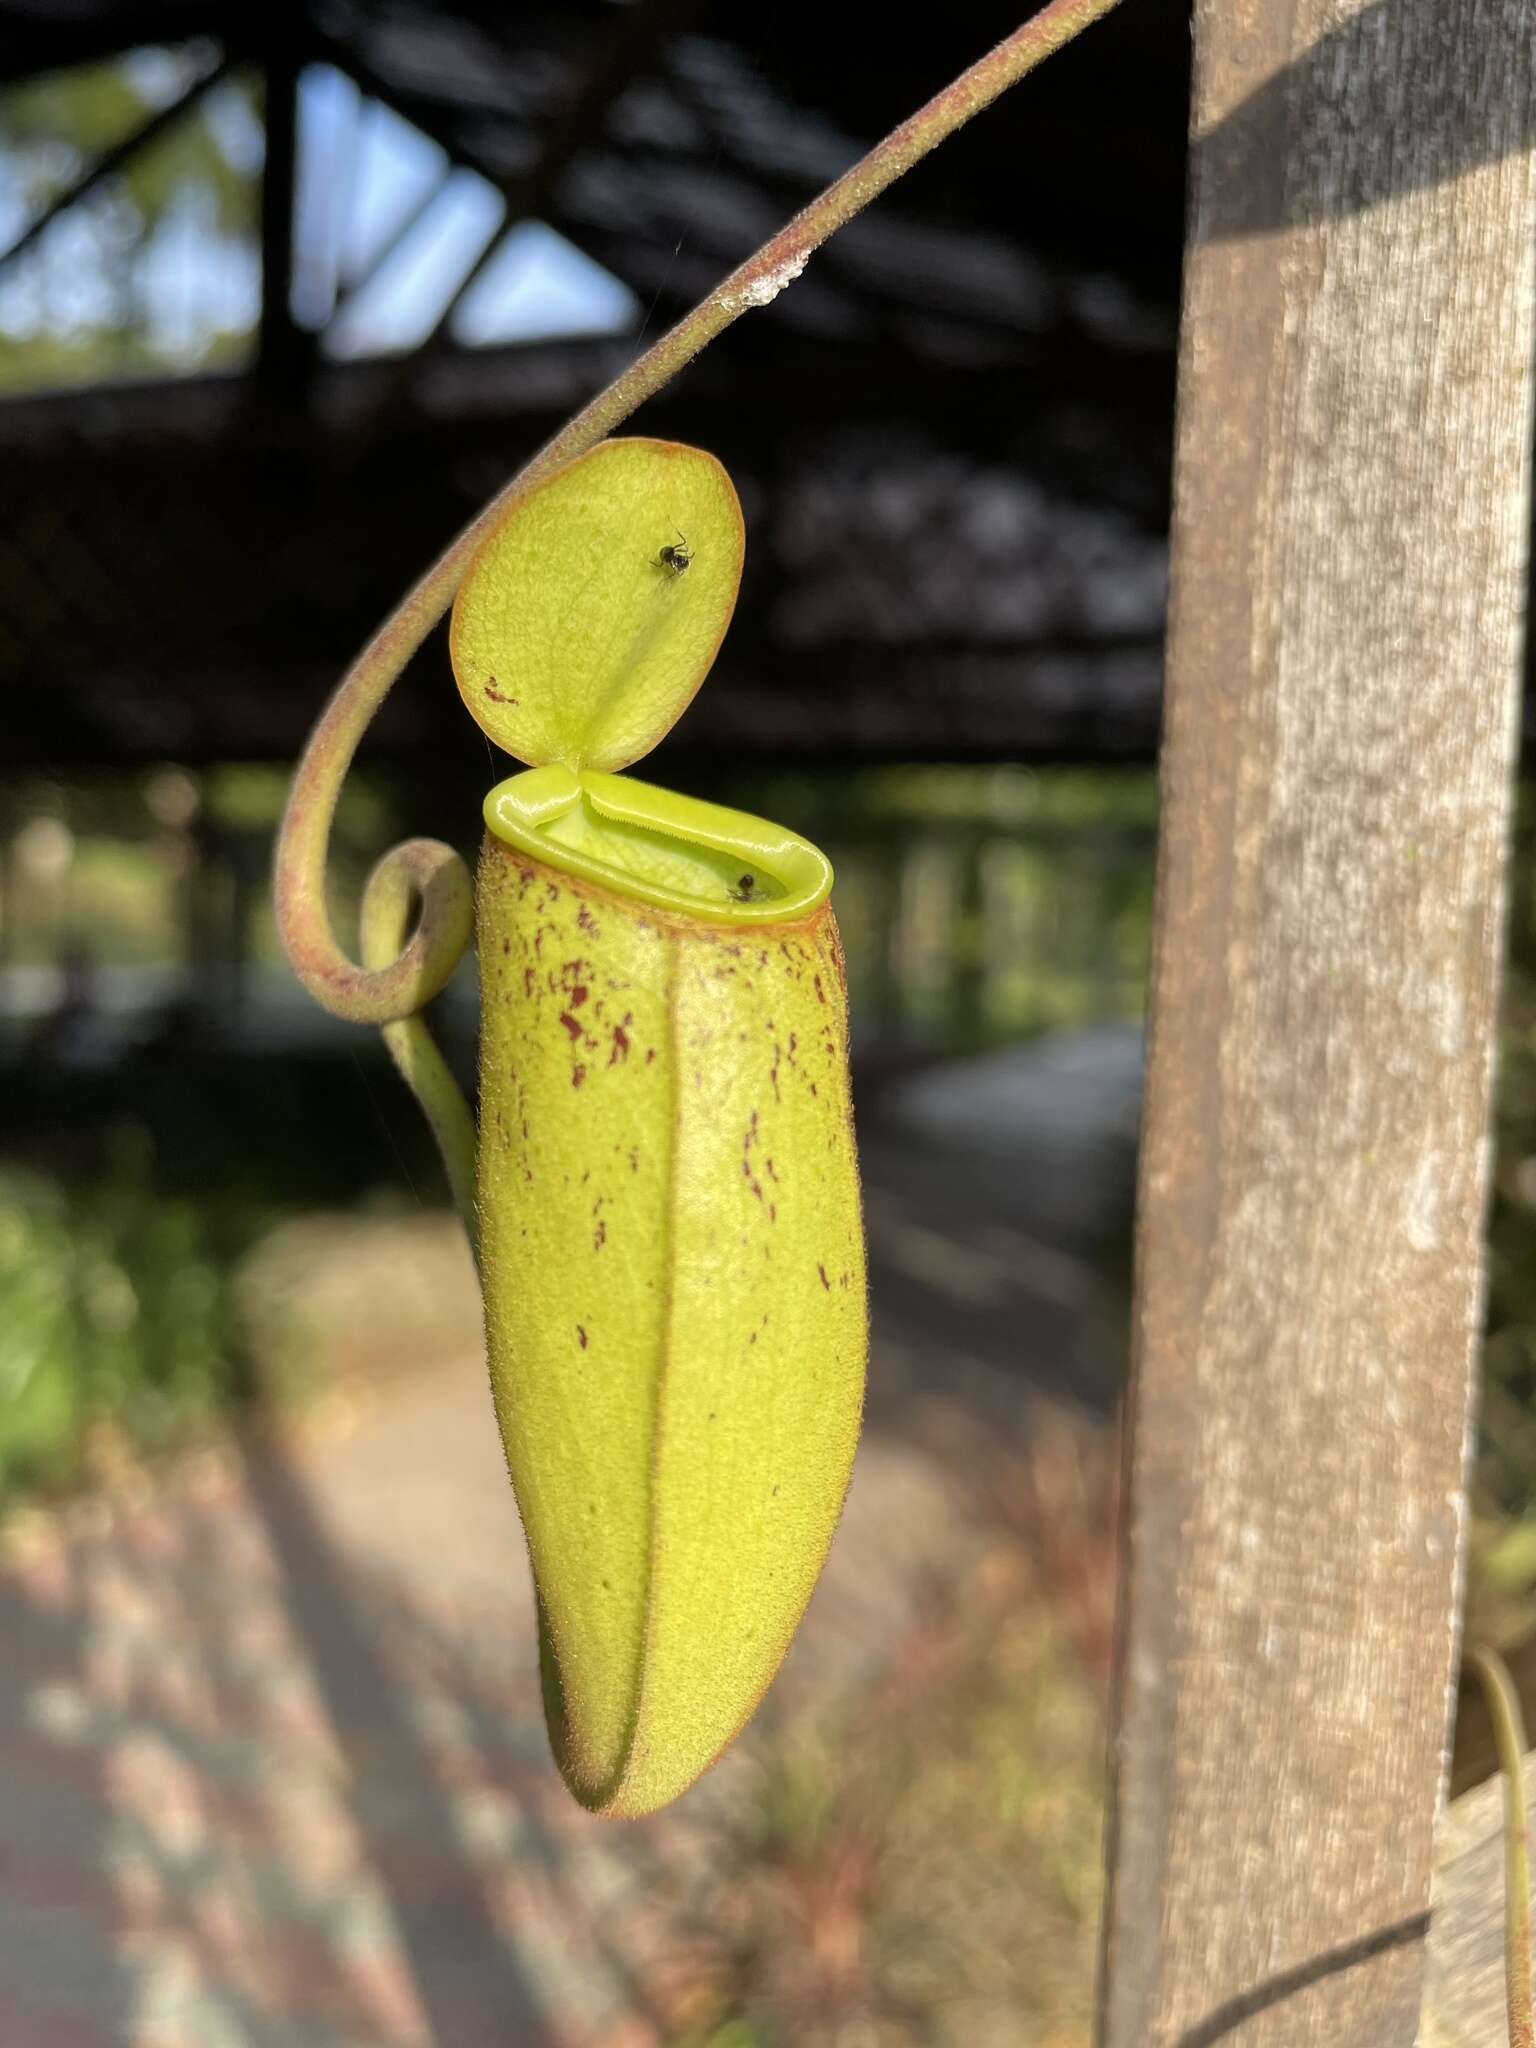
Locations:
(1464, 1972)
(1348, 589)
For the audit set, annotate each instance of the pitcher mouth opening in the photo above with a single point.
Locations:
(679, 853)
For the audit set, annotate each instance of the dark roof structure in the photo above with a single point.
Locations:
(952, 436)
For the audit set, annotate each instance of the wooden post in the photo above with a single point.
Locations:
(1348, 591)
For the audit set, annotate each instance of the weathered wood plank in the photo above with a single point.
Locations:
(1351, 486)
(1464, 1969)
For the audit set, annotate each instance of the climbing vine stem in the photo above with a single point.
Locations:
(1509, 1744)
(424, 873)
(395, 890)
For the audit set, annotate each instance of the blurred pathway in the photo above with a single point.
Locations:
(272, 1767)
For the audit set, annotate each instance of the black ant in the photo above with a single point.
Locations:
(743, 889)
(675, 557)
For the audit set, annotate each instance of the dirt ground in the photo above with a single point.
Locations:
(272, 1767)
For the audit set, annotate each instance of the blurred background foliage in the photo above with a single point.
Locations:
(152, 1137)
(158, 270)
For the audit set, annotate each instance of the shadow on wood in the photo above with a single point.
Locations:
(1463, 116)
(1226, 2019)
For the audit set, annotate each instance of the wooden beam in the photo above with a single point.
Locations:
(112, 160)
(430, 116)
(284, 351)
(59, 39)
(354, 283)
(630, 48)
(1344, 659)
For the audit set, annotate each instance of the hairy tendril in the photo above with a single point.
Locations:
(399, 974)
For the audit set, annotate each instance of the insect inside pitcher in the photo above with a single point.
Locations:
(744, 889)
(675, 555)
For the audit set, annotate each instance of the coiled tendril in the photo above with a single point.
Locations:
(399, 974)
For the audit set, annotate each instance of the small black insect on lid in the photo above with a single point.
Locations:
(675, 555)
